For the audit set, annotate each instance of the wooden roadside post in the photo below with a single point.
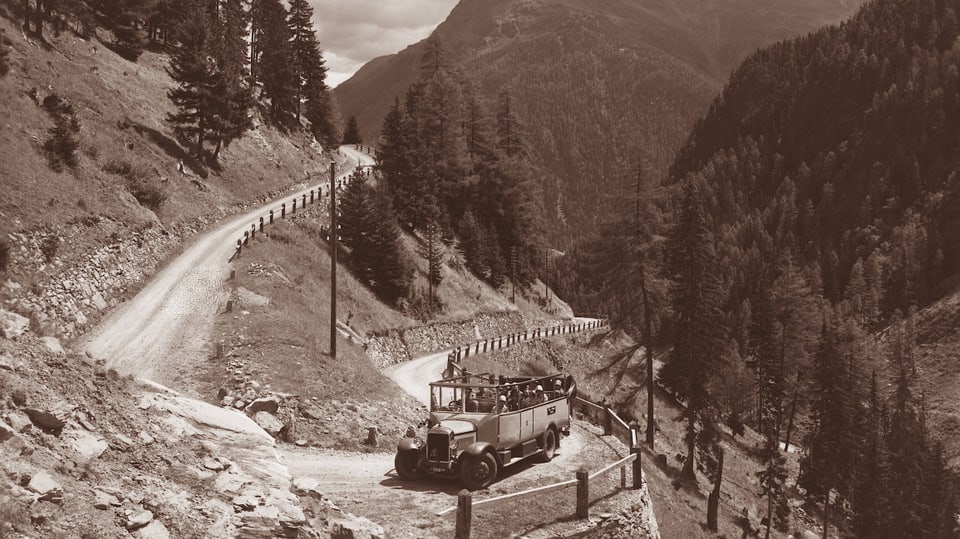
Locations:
(261, 224)
(283, 210)
(583, 493)
(607, 420)
(635, 450)
(464, 514)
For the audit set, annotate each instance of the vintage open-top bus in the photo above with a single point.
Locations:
(480, 423)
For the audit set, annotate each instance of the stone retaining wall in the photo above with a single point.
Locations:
(71, 292)
(397, 346)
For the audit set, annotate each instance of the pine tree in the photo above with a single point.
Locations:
(357, 221)
(319, 101)
(231, 117)
(509, 138)
(193, 66)
(303, 46)
(830, 460)
(870, 502)
(393, 273)
(432, 251)
(471, 244)
(274, 69)
(698, 320)
(351, 135)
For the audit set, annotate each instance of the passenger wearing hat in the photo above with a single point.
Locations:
(539, 396)
(502, 406)
(557, 388)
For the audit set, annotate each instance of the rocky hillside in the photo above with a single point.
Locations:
(594, 83)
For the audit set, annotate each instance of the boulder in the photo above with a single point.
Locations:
(85, 443)
(310, 412)
(6, 432)
(53, 345)
(19, 421)
(50, 419)
(216, 464)
(265, 404)
(12, 324)
(44, 485)
(306, 486)
(105, 500)
(145, 437)
(355, 528)
(139, 520)
(6, 362)
(154, 530)
(245, 502)
(269, 423)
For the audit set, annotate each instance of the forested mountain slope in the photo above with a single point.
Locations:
(595, 82)
(839, 152)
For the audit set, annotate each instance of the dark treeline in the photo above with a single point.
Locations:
(454, 169)
(814, 205)
(226, 57)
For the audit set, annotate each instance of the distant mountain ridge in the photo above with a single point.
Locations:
(595, 81)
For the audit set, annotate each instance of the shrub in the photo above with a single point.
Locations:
(63, 143)
(4, 54)
(149, 193)
(4, 254)
(49, 246)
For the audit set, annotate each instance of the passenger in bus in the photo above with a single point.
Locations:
(502, 406)
(539, 396)
(557, 389)
(514, 400)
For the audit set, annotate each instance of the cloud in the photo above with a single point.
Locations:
(353, 32)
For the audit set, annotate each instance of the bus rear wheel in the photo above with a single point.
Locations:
(548, 446)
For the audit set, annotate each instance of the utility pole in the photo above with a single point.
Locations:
(546, 273)
(333, 260)
(513, 271)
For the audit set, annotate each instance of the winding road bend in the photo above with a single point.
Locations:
(167, 327)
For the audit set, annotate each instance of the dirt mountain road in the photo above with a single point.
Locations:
(166, 328)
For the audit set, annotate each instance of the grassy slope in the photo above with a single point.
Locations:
(122, 108)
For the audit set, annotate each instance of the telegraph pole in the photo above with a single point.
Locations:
(333, 260)
(513, 271)
(546, 273)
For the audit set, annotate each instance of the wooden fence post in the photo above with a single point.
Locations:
(583, 493)
(219, 350)
(283, 210)
(239, 247)
(303, 201)
(293, 209)
(311, 196)
(635, 450)
(229, 305)
(271, 217)
(464, 514)
(246, 236)
(253, 231)
(607, 420)
(233, 274)
(261, 224)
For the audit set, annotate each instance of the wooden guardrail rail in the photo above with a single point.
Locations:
(465, 503)
(499, 343)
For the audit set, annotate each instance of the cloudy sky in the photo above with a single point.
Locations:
(352, 32)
